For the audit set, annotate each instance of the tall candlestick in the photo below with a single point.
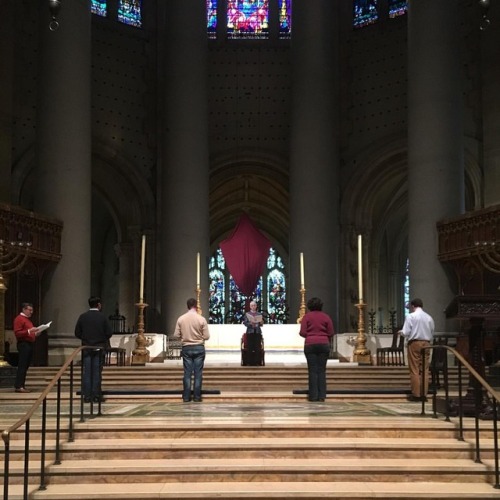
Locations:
(198, 270)
(143, 261)
(360, 268)
(301, 270)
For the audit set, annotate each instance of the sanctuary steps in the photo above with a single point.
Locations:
(238, 383)
(255, 440)
(310, 457)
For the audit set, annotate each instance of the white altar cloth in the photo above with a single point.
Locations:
(155, 345)
(276, 337)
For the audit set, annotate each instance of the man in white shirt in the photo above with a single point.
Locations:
(418, 330)
(192, 329)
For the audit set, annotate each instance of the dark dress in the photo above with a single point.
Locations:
(252, 343)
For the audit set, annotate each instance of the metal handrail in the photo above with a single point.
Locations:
(26, 418)
(479, 385)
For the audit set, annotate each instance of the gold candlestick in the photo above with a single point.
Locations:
(198, 306)
(140, 355)
(361, 353)
(302, 308)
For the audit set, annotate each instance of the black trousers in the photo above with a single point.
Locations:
(25, 350)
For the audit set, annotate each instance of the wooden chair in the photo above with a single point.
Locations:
(394, 355)
(252, 355)
(119, 353)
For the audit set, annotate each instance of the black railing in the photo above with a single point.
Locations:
(481, 401)
(23, 424)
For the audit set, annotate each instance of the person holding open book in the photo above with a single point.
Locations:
(25, 334)
(253, 321)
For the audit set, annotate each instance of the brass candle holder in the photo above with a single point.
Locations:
(302, 308)
(140, 355)
(361, 353)
(198, 306)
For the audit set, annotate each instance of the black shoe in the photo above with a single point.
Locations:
(321, 400)
(98, 399)
(186, 400)
(197, 400)
(312, 400)
(87, 399)
(416, 399)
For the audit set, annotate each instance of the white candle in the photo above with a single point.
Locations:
(198, 270)
(360, 268)
(301, 270)
(143, 261)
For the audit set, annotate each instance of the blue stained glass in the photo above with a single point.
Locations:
(129, 12)
(212, 18)
(365, 12)
(397, 7)
(99, 7)
(406, 286)
(285, 18)
(248, 18)
(216, 290)
(276, 289)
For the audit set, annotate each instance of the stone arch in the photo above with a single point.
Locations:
(256, 184)
(375, 204)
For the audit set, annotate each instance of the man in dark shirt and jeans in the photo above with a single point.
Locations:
(93, 329)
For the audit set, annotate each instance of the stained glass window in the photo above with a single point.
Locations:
(212, 18)
(406, 286)
(285, 18)
(227, 304)
(129, 12)
(217, 289)
(276, 289)
(248, 18)
(365, 12)
(99, 7)
(397, 7)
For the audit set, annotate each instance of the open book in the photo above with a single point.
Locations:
(42, 328)
(255, 319)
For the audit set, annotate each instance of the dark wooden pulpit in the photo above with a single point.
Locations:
(477, 309)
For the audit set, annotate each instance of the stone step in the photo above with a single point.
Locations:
(279, 490)
(257, 447)
(262, 469)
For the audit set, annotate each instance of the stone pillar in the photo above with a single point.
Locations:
(184, 170)
(126, 279)
(435, 144)
(7, 32)
(63, 188)
(314, 155)
(490, 43)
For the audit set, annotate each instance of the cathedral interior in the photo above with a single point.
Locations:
(125, 121)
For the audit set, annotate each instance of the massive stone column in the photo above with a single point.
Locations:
(7, 31)
(63, 188)
(490, 43)
(126, 302)
(184, 169)
(314, 156)
(435, 143)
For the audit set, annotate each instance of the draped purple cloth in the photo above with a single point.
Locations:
(246, 252)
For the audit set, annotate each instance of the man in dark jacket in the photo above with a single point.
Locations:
(93, 329)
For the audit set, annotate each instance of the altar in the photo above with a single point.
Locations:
(155, 344)
(282, 344)
(276, 338)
